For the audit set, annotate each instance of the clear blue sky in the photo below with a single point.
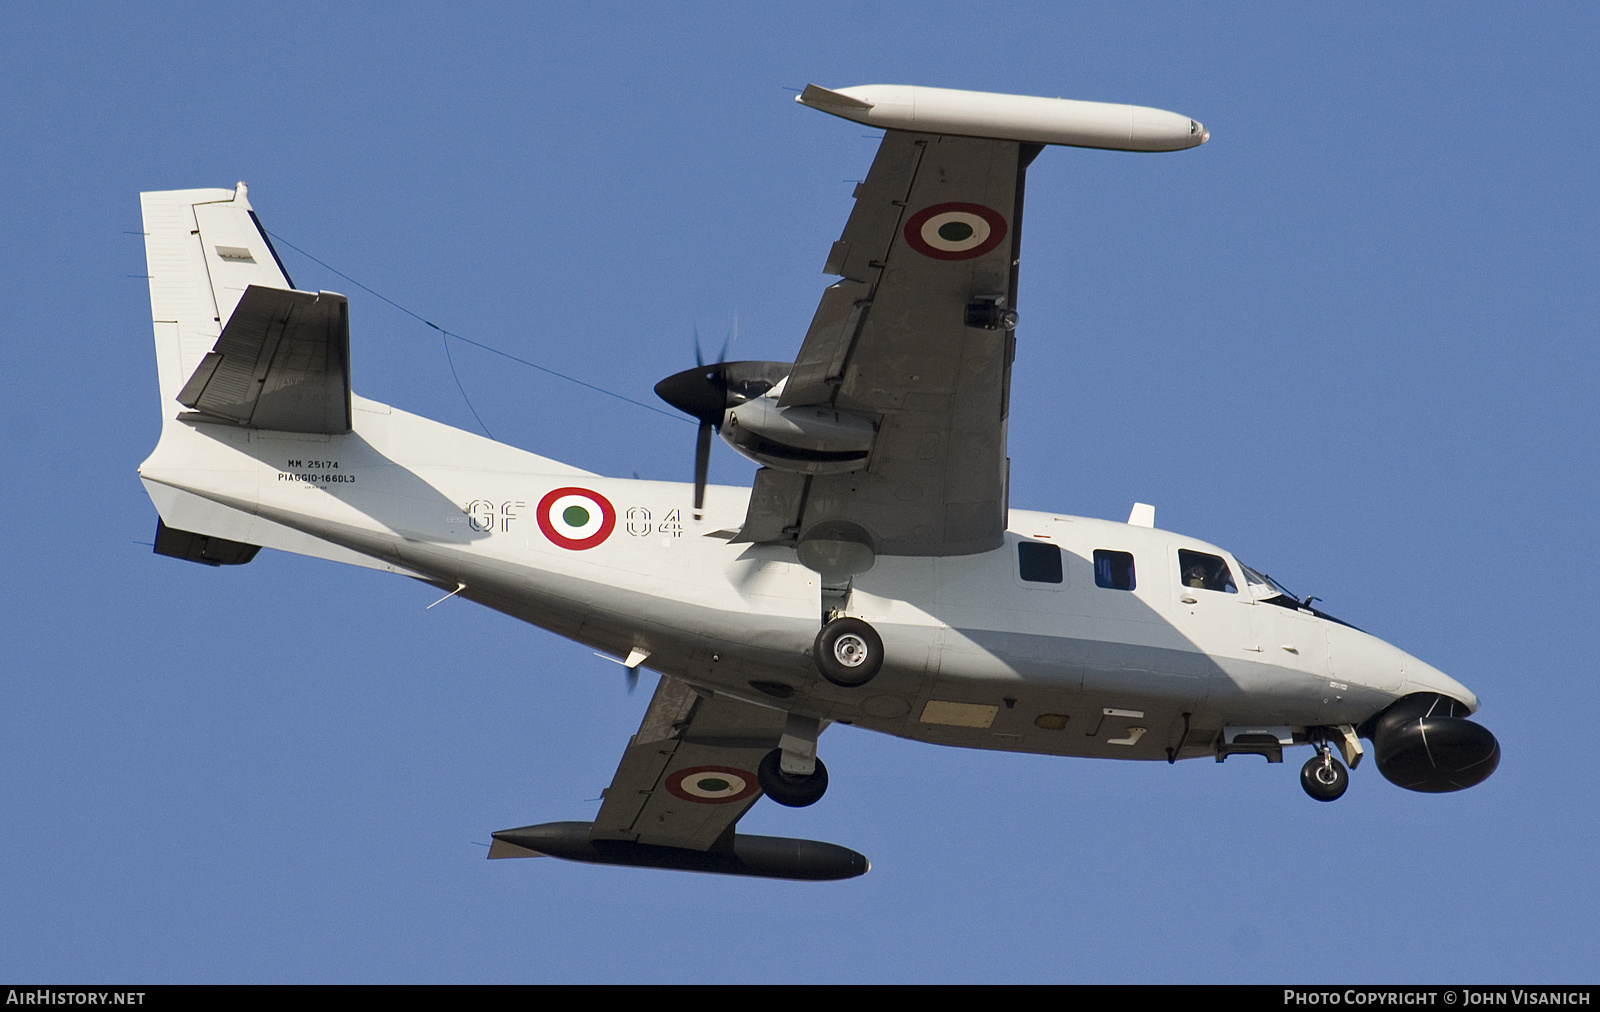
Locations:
(1353, 339)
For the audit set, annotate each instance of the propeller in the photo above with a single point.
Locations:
(727, 342)
(636, 656)
(706, 392)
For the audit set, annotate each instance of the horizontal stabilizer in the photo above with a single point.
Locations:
(282, 363)
(757, 856)
(202, 548)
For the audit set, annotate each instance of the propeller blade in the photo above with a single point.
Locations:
(702, 465)
(727, 342)
(706, 392)
(699, 357)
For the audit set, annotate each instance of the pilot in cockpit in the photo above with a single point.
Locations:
(1206, 572)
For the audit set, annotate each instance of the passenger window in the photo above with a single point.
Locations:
(1113, 570)
(1038, 562)
(1205, 572)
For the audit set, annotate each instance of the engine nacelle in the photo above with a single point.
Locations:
(809, 438)
(1425, 742)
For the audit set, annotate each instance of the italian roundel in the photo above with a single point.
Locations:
(712, 785)
(576, 518)
(955, 231)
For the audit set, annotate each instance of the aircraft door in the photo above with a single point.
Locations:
(1210, 610)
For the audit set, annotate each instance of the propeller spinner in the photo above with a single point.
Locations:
(706, 392)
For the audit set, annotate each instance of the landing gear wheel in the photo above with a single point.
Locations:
(1324, 777)
(792, 792)
(848, 652)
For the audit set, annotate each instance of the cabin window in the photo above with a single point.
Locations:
(1038, 562)
(1205, 572)
(1113, 570)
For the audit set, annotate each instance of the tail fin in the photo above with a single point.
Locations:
(203, 248)
(237, 345)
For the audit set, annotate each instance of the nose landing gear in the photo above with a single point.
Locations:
(1323, 776)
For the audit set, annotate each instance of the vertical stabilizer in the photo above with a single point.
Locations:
(203, 249)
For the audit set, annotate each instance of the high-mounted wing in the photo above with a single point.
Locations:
(689, 773)
(687, 777)
(917, 337)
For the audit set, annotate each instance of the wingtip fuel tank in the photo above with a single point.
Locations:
(1009, 117)
(754, 856)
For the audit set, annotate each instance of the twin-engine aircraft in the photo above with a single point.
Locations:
(875, 575)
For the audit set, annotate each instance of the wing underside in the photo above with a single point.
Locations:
(689, 773)
(916, 337)
(686, 779)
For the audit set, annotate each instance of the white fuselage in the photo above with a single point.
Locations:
(1051, 667)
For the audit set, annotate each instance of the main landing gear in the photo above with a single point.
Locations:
(848, 652)
(1323, 776)
(788, 790)
(791, 774)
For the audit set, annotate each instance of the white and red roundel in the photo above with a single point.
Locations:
(576, 518)
(712, 785)
(955, 231)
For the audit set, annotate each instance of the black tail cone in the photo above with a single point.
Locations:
(1425, 743)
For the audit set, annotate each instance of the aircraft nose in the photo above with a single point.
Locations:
(1423, 677)
(1198, 132)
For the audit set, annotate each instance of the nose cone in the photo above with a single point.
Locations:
(1423, 677)
(1198, 134)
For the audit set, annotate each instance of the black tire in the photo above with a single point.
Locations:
(848, 652)
(1324, 781)
(791, 792)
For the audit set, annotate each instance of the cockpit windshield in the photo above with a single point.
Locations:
(1263, 580)
(1264, 588)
